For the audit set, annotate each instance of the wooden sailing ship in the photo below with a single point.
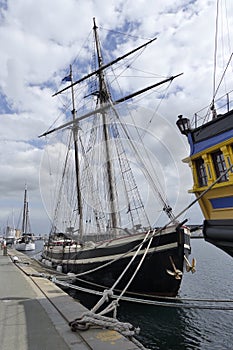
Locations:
(108, 238)
(210, 136)
(211, 161)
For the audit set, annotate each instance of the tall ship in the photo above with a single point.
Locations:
(210, 137)
(100, 228)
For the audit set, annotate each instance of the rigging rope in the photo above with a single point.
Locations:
(215, 50)
(144, 168)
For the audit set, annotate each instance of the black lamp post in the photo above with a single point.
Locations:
(183, 125)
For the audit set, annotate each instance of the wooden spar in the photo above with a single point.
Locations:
(146, 89)
(107, 105)
(104, 67)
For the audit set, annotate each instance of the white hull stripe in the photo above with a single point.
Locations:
(118, 256)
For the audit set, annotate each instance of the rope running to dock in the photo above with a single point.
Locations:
(186, 303)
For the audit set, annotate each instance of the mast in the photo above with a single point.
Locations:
(27, 220)
(104, 98)
(24, 224)
(76, 155)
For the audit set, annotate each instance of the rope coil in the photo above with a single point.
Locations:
(91, 319)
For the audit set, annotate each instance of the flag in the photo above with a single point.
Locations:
(67, 78)
(113, 131)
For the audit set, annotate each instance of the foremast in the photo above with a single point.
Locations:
(76, 155)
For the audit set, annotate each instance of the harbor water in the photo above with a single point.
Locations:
(198, 325)
(196, 328)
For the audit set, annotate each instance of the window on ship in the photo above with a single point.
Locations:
(219, 165)
(201, 172)
(230, 158)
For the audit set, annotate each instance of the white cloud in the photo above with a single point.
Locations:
(39, 40)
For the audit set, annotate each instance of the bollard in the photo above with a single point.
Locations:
(4, 250)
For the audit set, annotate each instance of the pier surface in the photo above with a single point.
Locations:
(35, 313)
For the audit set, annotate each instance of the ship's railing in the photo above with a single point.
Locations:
(221, 106)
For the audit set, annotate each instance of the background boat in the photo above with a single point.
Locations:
(26, 240)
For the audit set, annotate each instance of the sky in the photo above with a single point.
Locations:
(40, 39)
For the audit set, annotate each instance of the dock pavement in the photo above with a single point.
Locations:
(35, 313)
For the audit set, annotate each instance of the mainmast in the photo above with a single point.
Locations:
(76, 155)
(24, 223)
(104, 98)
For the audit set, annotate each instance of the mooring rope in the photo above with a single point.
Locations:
(177, 302)
(110, 291)
(114, 304)
(90, 319)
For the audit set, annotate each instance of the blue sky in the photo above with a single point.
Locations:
(40, 39)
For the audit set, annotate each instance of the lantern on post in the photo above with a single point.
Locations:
(183, 125)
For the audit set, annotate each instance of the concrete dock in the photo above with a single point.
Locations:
(35, 313)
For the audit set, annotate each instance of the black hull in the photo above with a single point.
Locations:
(220, 234)
(152, 278)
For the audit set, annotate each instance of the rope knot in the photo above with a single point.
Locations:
(107, 294)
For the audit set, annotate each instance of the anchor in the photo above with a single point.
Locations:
(190, 267)
(176, 272)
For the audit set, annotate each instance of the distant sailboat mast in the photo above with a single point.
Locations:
(25, 210)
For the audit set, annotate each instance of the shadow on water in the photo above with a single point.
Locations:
(160, 327)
